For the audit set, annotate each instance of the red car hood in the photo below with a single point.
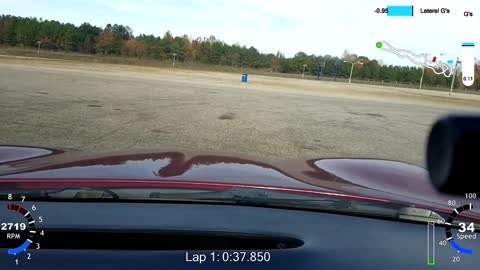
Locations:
(354, 179)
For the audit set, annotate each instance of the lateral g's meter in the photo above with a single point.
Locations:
(19, 233)
(395, 10)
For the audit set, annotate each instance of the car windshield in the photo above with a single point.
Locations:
(336, 98)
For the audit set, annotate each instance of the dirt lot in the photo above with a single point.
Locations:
(100, 107)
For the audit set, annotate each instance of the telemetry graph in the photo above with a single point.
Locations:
(417, 59)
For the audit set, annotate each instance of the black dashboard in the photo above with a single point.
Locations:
(205, 236)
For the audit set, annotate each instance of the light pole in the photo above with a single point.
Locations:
(454, 73)
(173, 63)
(38, 50)
(351, 69)
(421, 78)
(423, 72)
(303, 72)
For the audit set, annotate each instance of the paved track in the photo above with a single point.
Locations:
(100, 108)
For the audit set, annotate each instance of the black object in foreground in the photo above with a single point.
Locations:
(452, 154)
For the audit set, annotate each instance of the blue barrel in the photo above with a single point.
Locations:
(244, 77)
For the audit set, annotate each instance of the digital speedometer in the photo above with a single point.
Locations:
(458, 239)
(19, 230)
(466, 231)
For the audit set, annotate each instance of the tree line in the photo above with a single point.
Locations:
(119, 40)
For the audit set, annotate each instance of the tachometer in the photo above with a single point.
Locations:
(19, 230)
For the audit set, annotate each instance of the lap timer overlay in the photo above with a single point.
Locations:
(228, 257)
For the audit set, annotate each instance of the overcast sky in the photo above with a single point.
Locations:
(315, 27)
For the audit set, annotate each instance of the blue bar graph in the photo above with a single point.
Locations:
(400, 10)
